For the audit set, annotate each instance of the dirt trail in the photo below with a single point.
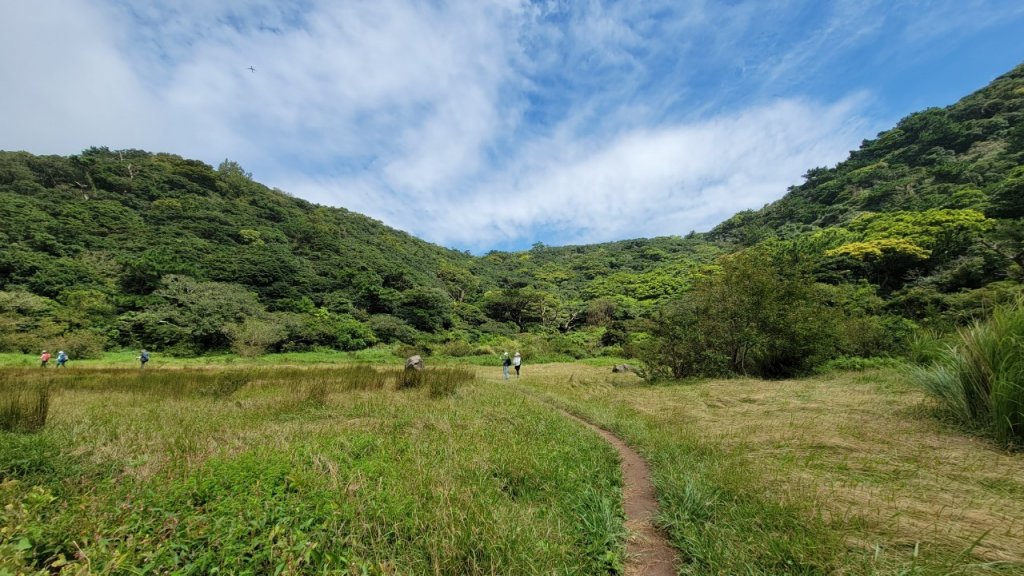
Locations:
(648, 552)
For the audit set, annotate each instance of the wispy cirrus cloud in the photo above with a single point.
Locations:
(483, 124)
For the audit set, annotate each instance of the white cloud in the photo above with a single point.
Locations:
(66, 86)
(646, 182)
(498, 122)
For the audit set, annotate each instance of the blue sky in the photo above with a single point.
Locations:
(495, 124)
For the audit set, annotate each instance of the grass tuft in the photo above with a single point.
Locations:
(980, 380)
(24, 408)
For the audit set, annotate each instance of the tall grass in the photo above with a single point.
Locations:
(319, 470)
(24, 408)
(980, 380)
(439, 382)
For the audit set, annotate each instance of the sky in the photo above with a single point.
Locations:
(496, 124)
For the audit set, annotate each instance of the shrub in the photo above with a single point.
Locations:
(82, 344)
(390, 329)
(856, 363)
(457, 349)
(254, 335)
(760, 314)
(980, 380)
(406, 350)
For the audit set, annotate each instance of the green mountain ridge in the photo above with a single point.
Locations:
(130, 248)
(961, 156)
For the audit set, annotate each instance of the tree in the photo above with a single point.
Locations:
(428, 309)
(886, 261)
(459, 282)
(759, 314)
(254, 335)
(191, 316)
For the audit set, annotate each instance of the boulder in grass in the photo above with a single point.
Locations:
(414, 363)
(622, 368)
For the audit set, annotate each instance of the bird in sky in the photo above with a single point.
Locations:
(251, 69)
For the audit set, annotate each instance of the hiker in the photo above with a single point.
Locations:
(43, 359)
(505, 363)
(143, 358)
(62, 359)
(517, 361)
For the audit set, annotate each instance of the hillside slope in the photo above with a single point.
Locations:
(964, 156)
(129, 248)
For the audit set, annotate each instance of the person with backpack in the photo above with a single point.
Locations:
(143, 358)
(62, 359)
(505, 363)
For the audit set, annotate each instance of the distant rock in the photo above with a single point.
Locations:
(414, 363)
(623, 368)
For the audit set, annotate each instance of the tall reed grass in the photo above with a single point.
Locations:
(24, 408)
(980, 379)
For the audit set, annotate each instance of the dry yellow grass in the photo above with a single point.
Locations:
(860, 449)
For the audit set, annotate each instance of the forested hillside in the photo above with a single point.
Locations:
(927, 209)
(128, 248)
(921, 227)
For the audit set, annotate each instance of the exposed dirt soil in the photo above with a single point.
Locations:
(648, 552)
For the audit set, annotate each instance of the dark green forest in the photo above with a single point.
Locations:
(920, 230)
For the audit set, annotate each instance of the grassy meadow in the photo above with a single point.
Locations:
(245, 467)
(847, 473)
(312, 470)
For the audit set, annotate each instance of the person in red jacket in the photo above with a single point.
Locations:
(43, 359)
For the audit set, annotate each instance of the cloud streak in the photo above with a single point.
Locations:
(473, 124)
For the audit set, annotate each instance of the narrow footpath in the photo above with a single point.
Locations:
(648, 552)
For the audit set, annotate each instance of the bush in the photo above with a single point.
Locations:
(390, 329)
(868, 336)
(82, 344)
(980, 380)
(759, 315)
(457, 349)
(856, 363)
(254, 335)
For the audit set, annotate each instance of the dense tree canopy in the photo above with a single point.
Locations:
(923, 225)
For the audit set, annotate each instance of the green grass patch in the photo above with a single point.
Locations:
(295, 470)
